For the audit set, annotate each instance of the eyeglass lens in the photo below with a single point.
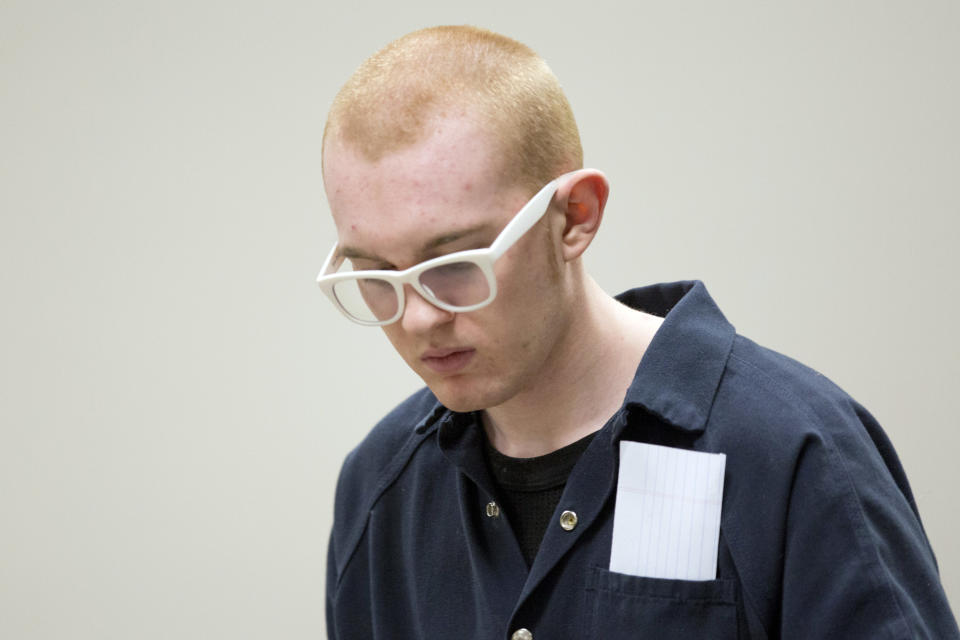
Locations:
(458, 284)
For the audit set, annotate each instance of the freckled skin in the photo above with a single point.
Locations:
(453, 180)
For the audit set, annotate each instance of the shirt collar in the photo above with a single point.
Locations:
(679, 374)
(431, 418)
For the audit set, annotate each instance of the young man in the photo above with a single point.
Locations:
(560, 477)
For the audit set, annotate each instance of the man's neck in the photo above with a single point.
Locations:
(582, 384)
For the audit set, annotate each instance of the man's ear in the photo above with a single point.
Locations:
(581, 197)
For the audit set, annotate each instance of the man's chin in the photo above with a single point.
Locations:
(457, 398)
(458, 402)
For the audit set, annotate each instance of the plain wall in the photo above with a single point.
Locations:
(176, 396)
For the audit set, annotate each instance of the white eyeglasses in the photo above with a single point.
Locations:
(458, 282)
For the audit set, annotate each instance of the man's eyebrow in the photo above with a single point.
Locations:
(453, 236)
(431, 244)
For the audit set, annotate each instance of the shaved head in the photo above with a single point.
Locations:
(393, 99)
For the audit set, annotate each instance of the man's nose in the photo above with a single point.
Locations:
(419, 315)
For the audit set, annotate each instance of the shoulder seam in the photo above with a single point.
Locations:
(388, 476)
(854, 510)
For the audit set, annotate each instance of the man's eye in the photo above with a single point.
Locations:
(457, 267)
(375, 284)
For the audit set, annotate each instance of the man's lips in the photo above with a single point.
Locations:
(447, 360)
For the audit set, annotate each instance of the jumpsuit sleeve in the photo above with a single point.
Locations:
(857, 563)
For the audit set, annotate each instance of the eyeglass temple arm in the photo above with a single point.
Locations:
(525, 219)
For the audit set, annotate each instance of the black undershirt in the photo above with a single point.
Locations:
(530, 488)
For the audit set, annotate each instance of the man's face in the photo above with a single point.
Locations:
(447, 194)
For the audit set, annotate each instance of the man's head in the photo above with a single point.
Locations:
(393, 97)
(431, 148)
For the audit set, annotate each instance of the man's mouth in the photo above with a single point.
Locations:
(447, 360)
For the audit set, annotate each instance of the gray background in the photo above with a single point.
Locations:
(175, 394)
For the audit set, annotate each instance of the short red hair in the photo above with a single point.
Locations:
(388, 102)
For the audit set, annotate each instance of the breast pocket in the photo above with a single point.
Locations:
(622, 606)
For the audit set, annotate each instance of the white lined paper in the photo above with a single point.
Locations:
(666, 522)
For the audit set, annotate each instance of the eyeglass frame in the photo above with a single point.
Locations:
(524, 220)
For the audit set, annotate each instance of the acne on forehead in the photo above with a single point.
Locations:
(409, 195)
